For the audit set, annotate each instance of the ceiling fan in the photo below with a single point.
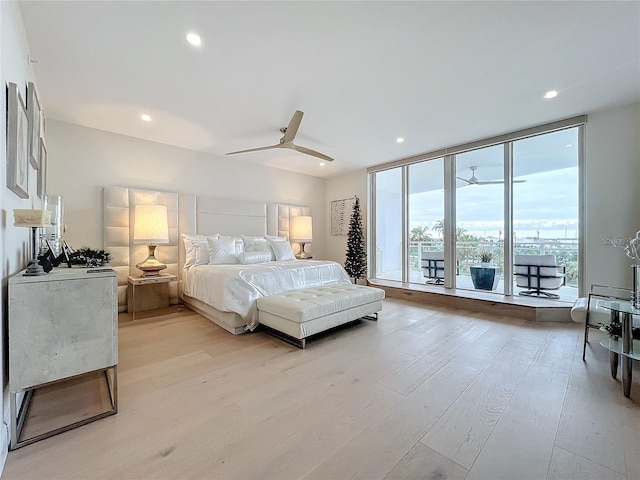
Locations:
(474, 180)
(287, 140)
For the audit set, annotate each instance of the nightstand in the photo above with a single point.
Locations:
(148, 293)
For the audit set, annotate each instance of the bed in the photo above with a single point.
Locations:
(225, 294)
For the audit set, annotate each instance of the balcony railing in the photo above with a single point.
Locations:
(468, 253)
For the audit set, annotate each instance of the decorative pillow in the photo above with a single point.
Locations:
(222, 251)
(275, 238)
(282, 250)
(249, 258)
(263, 247)
(250, 242)
(239, 244)
(197, 249)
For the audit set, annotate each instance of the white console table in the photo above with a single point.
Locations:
(61, 325)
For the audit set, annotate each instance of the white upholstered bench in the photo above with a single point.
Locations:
(301, 313)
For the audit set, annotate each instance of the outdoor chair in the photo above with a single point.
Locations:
(432, 264)
(537, 274)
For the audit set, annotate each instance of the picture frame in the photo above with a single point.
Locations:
(17, 143)
(34, 115)
(340, 215)
(42, 171)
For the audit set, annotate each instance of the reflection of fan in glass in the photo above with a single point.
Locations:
(474, 180)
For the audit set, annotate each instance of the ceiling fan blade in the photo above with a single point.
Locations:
(254, 149)
(308, 151)
(292, 128)
(464, 180)
(498, 181)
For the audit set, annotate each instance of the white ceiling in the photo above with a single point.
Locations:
(364, 73)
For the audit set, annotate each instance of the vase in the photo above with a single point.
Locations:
(635, 289)
(485, 278)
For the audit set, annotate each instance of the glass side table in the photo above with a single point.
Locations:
(623, 345)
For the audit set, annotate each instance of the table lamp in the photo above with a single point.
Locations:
(301, 232)
(34, 219)
(151, 227)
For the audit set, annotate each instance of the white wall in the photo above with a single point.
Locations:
(83, 160)
(613, 191)
(337, 188)
(14, 242)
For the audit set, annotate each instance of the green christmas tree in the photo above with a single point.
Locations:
(356, 261)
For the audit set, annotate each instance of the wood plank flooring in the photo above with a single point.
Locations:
(426, 392)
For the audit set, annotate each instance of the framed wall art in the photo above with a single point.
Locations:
(17, 143)
(42, 172)
(33, 113)
(340, 215)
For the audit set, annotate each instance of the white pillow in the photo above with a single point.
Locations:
(282, 250)
(222, 251)
(249, 258)
(250, 242)
(263, 247)
(239, 244)
(275, 238)
(197, 249)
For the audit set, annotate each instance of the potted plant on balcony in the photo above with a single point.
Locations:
(485, 276)
(485, 258)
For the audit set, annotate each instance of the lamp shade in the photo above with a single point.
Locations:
(301, 229)
(151, 225)
(31, 218)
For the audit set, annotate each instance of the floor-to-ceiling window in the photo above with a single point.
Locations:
(545, 202)
(388, 225)
(426, 219)
(481, 204)
(480, 218)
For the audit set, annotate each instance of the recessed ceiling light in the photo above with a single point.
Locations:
(322, 164)
(145, 117)
(399, 139)
(551, 94)
(194, 39)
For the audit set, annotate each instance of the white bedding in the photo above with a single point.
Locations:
(235, 288)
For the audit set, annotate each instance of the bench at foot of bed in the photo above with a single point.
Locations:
(299, 314)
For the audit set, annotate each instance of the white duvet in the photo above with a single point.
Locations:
(235, 288)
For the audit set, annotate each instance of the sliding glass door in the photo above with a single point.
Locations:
(388, 225)
(545, 202)
(479, 200)
(426, 222)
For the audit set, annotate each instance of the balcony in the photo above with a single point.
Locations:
(468, 254)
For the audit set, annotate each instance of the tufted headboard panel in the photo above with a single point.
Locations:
(119, 219)
(280, 215)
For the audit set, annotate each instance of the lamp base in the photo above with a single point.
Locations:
(34, 270)
(151, 267)
(302, 254)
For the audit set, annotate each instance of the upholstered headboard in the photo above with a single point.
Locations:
(189, 214)
(119, 219)
(280, 218)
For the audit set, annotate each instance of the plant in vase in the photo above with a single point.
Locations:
(485, 258)
(632, 249)
(89, 257)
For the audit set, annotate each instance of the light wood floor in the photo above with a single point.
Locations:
(426, 392)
